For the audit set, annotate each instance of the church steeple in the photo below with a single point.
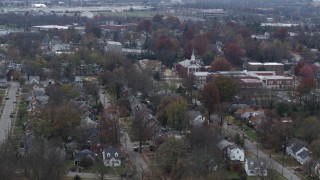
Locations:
(193, 57)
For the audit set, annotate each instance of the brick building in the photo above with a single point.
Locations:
(270, 66)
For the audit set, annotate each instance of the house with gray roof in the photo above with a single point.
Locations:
(86, 153)
(303, 157)
(256, 166)
(297, 149)
(33, 80)
(111, 157)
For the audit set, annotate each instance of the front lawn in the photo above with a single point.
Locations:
(246, 129)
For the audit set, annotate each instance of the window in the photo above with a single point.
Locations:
(279, 82)
(270, 82)
(238, 152)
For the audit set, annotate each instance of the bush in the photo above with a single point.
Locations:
(76, 177)
(85, 162)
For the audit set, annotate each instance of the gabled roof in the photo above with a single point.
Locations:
(233, 147)
(252, 114)
(111, 152)
(296, 147)
(223, 144)
(34, 93)
(193, 114)
(93, 136)
(303, 154)
(33, 79)
(254, 163)
(84, 153)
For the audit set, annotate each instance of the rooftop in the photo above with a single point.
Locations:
(201, 73)
(113, 43)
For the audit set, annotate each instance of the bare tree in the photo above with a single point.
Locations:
(101, 170)
(110, 125)
(139, 126)
(92, 88)
(7, 159)
(45, 161)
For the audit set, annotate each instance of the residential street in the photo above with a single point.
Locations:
(5, 122)
(252, 146)
(135, 157)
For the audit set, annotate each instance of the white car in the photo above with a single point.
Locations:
(136, 148)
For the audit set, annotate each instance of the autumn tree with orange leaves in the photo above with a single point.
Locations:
(221, 64)
(234, 54)
(166, 50)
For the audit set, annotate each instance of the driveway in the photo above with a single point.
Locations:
(5, 121)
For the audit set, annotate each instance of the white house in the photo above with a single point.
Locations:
(113, 46)
(196, 118)
(235, 153)
(315, 169)
(255, 166)
(303, 156)
(111, 157)
(201, 77)
(299, 152)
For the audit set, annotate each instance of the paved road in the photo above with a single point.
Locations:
(252, 146)
(5, 121)
(135, 157)
(104, 99)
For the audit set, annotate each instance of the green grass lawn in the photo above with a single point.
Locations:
(248, 130)
(3, 92)
(290, 162)
(233, 175)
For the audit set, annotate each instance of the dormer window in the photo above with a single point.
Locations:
(116, 155)
(108, 154)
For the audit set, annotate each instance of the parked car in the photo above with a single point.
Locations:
(136, 148)
(7, 98)
(298, 169)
